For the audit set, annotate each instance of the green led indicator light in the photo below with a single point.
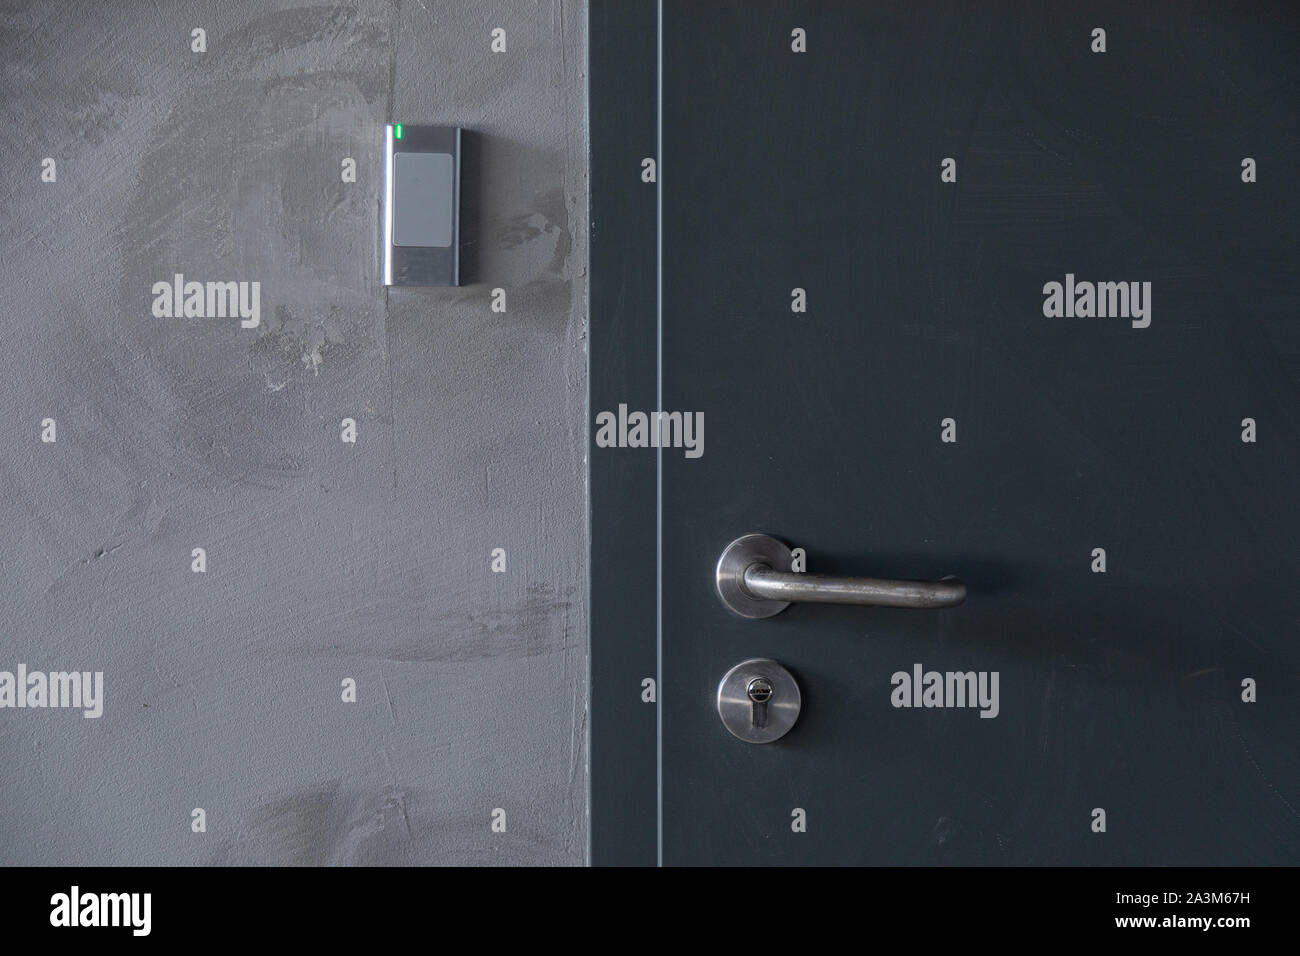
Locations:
(397, 131)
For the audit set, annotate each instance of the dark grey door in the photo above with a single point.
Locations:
(1109, 464)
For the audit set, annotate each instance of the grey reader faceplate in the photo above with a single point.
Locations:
(424, 187)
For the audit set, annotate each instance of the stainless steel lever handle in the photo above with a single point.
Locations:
(754, 580)
(788, 586)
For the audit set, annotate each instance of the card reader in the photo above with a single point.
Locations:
(421, 205)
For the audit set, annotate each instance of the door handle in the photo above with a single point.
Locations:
(754, 580)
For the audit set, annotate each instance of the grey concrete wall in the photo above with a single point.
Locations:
(325, 560)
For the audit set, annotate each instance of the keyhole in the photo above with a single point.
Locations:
(760, 692)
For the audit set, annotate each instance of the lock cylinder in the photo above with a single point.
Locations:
(759, 701)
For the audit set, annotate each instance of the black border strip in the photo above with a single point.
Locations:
(622, 357)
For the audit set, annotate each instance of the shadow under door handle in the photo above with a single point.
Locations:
(754, 580)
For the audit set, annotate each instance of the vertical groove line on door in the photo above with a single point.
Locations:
(659, 452)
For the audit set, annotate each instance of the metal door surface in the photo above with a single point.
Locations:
(967, 290)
